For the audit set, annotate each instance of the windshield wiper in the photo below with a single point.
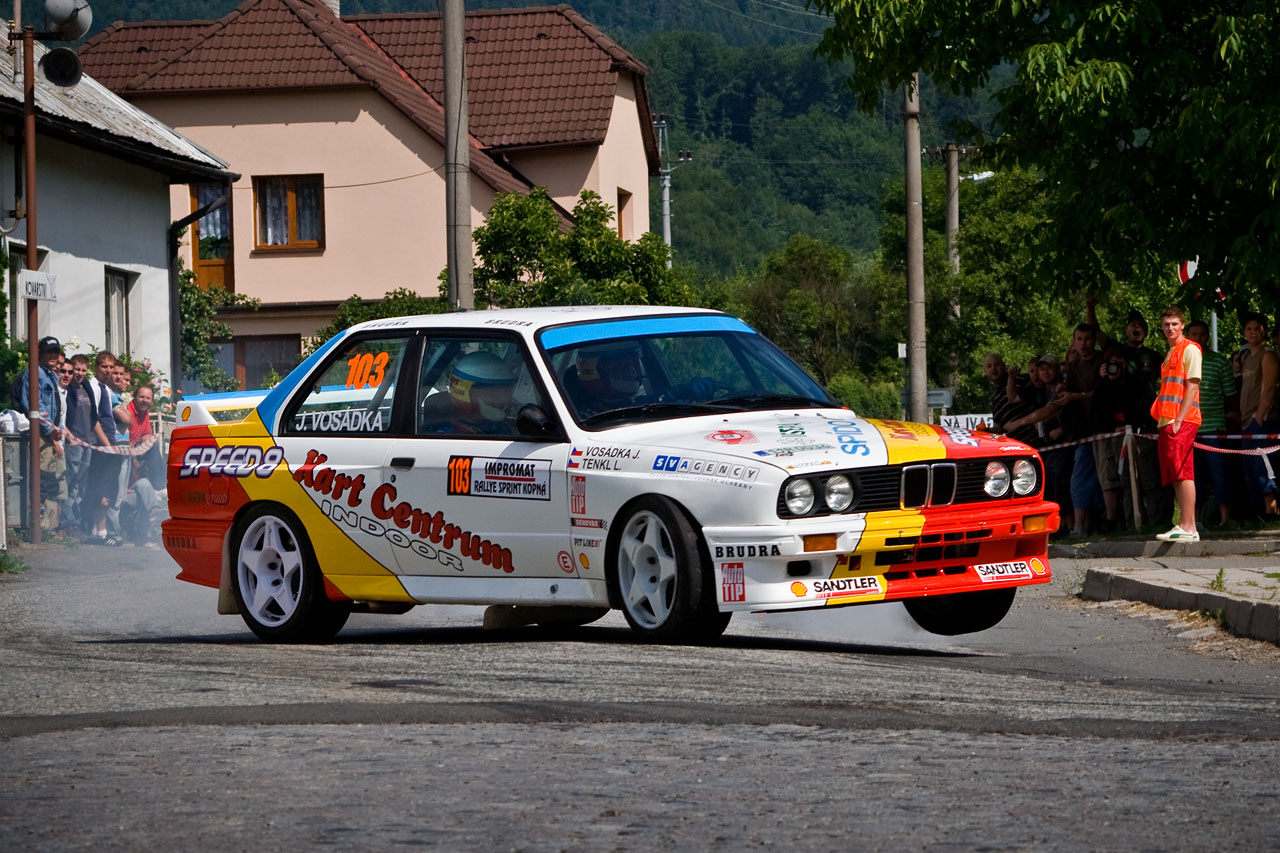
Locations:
(669, 408)
(769, 401)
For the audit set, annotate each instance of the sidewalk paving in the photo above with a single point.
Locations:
(1246, 599)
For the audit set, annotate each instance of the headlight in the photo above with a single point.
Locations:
(838, 493)
(996, 481)
(799, 496)
(1024, 477)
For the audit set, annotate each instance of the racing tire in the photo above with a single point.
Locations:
(962, 613)
(660, 574)
(277, 584)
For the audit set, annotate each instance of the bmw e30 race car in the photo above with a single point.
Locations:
(667, 462)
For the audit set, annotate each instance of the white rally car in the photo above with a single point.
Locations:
(667, 462)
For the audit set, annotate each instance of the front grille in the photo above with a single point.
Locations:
(913, 486)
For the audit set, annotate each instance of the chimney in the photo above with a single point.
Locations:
(335, 6)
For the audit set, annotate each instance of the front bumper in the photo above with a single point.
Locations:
(881, 556)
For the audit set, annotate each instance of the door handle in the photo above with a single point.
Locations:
(402, 461)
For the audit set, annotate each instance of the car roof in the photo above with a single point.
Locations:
(530, 320)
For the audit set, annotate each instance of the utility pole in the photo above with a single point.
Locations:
(951, 154)
(33, 263)
(457, 156)
(918, 410)
(664, 178)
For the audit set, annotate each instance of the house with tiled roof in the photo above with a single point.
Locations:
(104, 169)
(336, 126)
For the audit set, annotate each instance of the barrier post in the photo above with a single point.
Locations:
(1131, 455)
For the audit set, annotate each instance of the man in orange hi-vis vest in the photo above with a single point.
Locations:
(1177, 413)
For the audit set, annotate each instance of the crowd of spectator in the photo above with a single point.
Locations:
(1076, 407)
(99, 461)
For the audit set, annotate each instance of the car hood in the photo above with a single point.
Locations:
(810, 438)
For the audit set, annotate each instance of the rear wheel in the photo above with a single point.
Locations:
(660, 577)
(277, 584)
(962, 613)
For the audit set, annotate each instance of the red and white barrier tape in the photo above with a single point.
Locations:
(118, 449)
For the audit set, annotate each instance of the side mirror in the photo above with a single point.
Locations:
(532, 422)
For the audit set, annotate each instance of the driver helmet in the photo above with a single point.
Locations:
(612, 369)
(481, 386)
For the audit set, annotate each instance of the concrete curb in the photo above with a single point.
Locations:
(1257, 620)
(1154, 548)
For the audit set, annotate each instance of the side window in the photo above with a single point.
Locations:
(356, 394)
(474, 386)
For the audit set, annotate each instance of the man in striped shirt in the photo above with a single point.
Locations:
(1214, 471)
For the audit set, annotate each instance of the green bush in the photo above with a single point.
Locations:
(867, 399)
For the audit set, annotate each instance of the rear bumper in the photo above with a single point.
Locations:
(197, 547)
(882, 556)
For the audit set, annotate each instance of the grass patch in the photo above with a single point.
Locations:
(11, 564)
(1219, 582)
(1218, 616)
(1272, 575)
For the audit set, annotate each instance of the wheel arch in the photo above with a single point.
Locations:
(615, 531)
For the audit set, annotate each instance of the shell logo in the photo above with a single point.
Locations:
(799, 589)
(1037, 566)
(186, 413)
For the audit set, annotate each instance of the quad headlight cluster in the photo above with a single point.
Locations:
(998, 479)
(941, 483)
(801, 497)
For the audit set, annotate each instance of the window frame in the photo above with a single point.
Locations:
(527, 353)
(212, 271)
(119, 340)
(402, 425)
(293, 244)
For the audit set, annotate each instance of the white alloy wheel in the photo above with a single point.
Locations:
(270, 571)
(648, 572)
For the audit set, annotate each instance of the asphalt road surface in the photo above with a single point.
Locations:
(132, 716)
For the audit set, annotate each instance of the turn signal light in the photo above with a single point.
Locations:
(1035, 523)
(820, 542)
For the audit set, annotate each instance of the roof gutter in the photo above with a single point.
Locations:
(175, 297)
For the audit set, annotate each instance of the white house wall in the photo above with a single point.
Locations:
(95, 212)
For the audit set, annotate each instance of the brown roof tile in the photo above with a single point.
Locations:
(537, 77)
(275, 44)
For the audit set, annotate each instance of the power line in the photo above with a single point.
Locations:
(761, 20)
(788, 7)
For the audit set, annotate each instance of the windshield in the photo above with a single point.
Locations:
(654, 369)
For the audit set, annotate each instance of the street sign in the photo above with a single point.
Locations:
(1187, 269)
(34, 284)
(969, 422)
(935, 398)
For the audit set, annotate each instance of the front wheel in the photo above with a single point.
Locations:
(277, 584)
(962, 613)
(660, 577)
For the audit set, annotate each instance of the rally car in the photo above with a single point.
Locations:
(667, 462)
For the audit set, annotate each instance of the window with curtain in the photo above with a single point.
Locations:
(289, 212)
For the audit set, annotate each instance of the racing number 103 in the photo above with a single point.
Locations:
(460, 475)
(366, 369)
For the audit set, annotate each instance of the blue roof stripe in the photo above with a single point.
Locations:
(585, 332)
(270, 407)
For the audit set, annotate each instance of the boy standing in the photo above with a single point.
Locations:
(1177, 414)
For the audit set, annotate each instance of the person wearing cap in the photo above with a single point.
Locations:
(52, 463)
(478, 399)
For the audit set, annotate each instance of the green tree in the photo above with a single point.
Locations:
(198, 307)
(526, 260)
(401, 302)
(1152, 128)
